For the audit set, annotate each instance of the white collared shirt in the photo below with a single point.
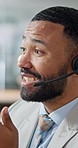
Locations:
(57, 116)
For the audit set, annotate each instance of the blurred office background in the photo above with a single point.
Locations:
(14, 16)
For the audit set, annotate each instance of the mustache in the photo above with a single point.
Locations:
(28, 71)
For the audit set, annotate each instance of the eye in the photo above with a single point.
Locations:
(38, 52)
(23, 50)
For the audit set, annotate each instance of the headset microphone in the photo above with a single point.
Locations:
(74, 68)
(54, 80)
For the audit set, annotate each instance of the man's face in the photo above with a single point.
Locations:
(43, 58)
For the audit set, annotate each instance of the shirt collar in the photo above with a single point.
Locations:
(58, 115)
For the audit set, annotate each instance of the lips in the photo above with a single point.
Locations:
(28, 79)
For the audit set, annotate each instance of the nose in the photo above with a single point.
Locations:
(24, 62)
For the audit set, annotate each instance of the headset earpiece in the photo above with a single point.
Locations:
(75, 64)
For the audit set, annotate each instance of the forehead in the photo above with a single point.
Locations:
(43, 29)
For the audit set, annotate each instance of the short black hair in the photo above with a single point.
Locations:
(66, 16)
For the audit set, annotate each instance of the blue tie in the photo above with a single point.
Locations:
(45, 123)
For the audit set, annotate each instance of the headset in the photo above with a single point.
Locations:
(74, 65)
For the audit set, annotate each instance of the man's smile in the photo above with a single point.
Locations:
(28, 79)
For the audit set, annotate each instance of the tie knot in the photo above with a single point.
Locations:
(45, 122)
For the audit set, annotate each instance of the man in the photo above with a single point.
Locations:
(49, 53)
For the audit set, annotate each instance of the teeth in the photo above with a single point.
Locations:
(28, 79)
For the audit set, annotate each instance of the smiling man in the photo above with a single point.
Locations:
(39, 48)
(47, 117)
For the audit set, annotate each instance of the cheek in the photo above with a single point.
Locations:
(45, 68)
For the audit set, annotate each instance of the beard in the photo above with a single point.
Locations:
(48, 91)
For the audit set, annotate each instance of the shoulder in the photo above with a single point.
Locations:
(21, 110)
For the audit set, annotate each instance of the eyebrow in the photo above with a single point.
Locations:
(36, 40)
